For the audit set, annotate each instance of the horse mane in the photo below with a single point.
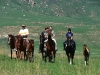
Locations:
(50, 42)
(50, 39)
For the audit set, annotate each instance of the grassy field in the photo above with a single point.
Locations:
(60, 67)
(79, 15)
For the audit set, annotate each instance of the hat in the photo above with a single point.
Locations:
(69, 29)
(23, 25)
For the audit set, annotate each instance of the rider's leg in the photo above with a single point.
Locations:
(39, 48)
(45, 44)
(55, 44)
(27, 41)
(64, 45)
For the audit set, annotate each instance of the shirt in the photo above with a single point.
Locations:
(24, 32)
(69, 34)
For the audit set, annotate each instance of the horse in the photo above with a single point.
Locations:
(86, 53)
(21, 46)
(11, 42)
(70, 49)
(50, 49)
(30, 50)
(42, 46)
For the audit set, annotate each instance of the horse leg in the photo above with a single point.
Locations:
(16, 55)
(54, 55)
(72, 56)
(71, 59)
(25, 55)
(52, 59)
(85, 60)
(32, 56)
(11, 53)
(19, 54)
(68, 56)
(45, 56)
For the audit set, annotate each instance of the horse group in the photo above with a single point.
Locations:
(50, 51)
(17, 42)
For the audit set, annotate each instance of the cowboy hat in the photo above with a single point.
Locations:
(23, 25)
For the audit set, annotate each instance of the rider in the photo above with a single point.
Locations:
(24, 32)
(69, 35)
(53, 35)
(44, 36)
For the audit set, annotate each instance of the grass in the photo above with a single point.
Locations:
(60, 67)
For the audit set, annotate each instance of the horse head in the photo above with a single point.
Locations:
(31, 42)
(10, 38)
(86, 50)
(49, 37)
(68, 42)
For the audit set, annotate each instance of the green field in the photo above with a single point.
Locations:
(83, 17)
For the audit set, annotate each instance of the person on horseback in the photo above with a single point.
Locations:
(53, 35)
(44, 37)
(24, 32)
(69, 35)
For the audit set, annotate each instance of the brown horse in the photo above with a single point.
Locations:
(86, 53)
(50, 49)
(21, 46)
(12, 41)
(30, 50)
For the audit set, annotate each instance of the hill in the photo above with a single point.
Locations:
(70, 11)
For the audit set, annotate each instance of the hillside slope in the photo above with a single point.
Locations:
(85, 11)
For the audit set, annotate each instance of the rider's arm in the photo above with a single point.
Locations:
(21, 32)
(71, 34)
(66, 35)
(53, 34)
(26, 32)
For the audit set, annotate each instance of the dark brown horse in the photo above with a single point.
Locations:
(30, 50)
(42, 45)
(86, 53)
(21, 46)
(70, 50)
(12, 41)
(50, 49)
